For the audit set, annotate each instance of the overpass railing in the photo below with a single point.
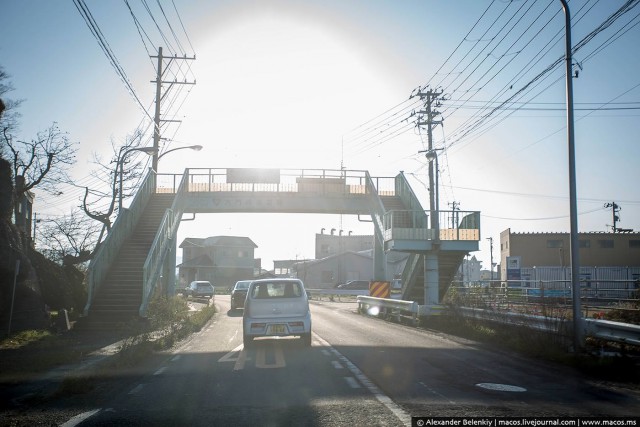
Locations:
(120, 231)
(277, 180)
(412, 225)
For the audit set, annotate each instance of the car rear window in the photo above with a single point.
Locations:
(268, 290)
(204, 286)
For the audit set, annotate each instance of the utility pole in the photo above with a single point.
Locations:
(160, 96)
(427, 117)
(455, 207)
(615, 209)
(490, 239)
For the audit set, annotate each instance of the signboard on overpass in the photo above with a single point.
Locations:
(252, 176)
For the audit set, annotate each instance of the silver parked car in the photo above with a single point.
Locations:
(276, 307)
(199, 289)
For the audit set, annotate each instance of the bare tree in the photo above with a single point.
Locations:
(100, 204)
(43, 161)
(10, 115)
(70, 239)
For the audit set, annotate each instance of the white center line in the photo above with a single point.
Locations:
(160, 371)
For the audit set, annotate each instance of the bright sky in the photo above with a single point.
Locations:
(317, 84)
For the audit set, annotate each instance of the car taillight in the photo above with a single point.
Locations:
(296, 324)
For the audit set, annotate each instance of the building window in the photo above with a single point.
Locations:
(634, 244)
(584, 243)
(605, 244)
(554, 243)
(243, 254)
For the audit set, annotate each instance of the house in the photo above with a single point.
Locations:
(469, 272)
(222, 260)
(329, 271)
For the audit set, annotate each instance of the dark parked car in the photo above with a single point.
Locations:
(239, 294)
(199, 289)
(355, 285)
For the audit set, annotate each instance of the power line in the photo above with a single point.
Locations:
(104, 45)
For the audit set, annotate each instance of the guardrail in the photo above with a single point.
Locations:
(387, 308)
(352, 292)
(602, 329)
(613, 331)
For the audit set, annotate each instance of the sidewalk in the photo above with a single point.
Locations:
(19, 384)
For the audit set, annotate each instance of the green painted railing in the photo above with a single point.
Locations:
(377, 208)
(120, 231)
(411, 202)
(165, 237)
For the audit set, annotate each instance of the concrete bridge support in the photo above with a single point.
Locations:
(431, 278)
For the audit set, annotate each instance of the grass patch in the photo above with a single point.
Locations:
(172, 318)
(26, 338)
(622, 366)
(33, 351)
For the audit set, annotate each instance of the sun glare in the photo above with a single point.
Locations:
(278, 93)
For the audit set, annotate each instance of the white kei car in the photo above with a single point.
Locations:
(276, 307)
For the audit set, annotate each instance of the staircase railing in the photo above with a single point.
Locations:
(408, 197)
(377, 214)
(161, 243)
(111, 246)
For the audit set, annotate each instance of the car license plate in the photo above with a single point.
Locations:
(277, 329)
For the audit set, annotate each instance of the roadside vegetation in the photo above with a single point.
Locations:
(28, 352)
(600, 359)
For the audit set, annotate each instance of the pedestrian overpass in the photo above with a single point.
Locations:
(138, 257)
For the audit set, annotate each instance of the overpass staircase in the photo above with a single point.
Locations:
(119, 297)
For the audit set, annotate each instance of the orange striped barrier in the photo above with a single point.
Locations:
(380, 289)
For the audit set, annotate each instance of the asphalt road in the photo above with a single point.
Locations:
(358, 371)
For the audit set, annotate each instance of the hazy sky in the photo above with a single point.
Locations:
(320, 84)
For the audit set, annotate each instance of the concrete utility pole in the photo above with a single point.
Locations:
(615, 208)
(426, 117)
(160, 96)
(455, 207)
(431, 99)
(573, 197)
(490, 239)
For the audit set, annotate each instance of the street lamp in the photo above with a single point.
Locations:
(147, 150)
(191, 147)
(432, 155)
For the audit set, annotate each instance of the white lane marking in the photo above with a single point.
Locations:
(176, 358)
(436, 393)
(261, 358)
(160, 371)
(403, 416)
(337, 364)
(234, 336)
(326, 352)
(353, 383)
(230, 357)
(80, 418)
(242, 358)
(136, 389)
